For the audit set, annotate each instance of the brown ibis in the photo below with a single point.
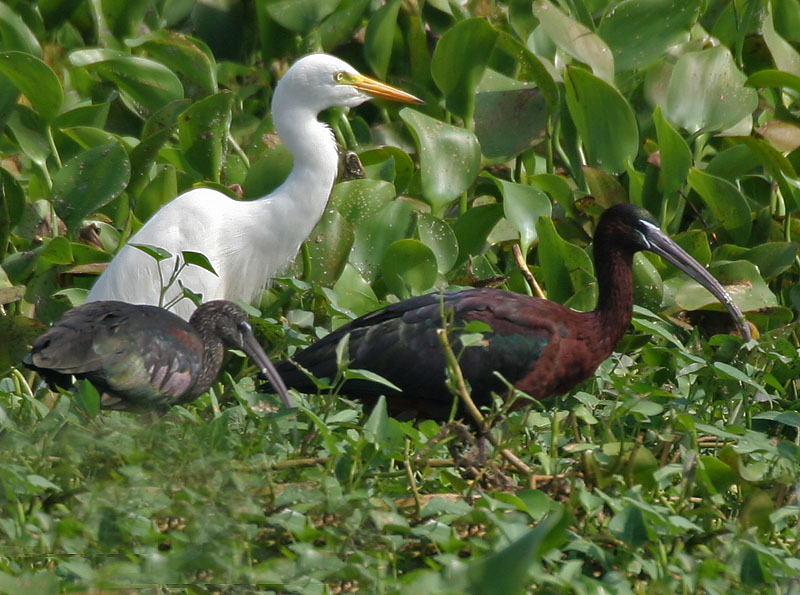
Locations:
(541, 347)
(143, 357)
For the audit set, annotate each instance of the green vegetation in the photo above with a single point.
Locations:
(674, 470)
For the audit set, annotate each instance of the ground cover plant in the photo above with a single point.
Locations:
(674, 469)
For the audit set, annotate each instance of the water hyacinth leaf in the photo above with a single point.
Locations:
(393, 222)
(774, 79)
(30, 132)
(473, 227)
(337, 27)
(674, 154)
(202, 130)
(784, 55)
(145, 85)
(458, 62)
(772, 258)
(437, 235)
(329, 246)
(268, 171)
(630, 526)
(358, 200)
(648, 289)
(188, 57)
(450, 158)
(35, 80)
(389, 164)
(380, 37)
(640, 31)
(16, 35)
(502, 137)
(57, 251)
(353, 292)
(408, 268)
(18, 333)
(300, 16)
(576, 39)
(726, 202)
(707, 93)
(784, 136)
(88, 182)
(556, 186)
(559, 259)
(604, 119)
(522, 206)
(531, 67)
(605, 188)
(741, 280)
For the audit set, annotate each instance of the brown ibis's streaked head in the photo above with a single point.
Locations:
(142, 357)
(541, 347)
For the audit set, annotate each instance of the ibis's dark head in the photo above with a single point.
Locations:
(633, 228)
(224, 323)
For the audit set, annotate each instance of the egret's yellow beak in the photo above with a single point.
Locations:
(378, 89)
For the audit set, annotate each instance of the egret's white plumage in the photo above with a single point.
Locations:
(248, 242)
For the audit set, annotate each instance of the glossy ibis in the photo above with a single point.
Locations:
(143, 357)
(247, 242)
(541, 347)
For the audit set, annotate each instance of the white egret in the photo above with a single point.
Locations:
(248, 242)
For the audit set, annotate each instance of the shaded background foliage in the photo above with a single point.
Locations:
(676, 467)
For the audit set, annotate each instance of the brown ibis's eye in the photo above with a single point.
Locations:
(338, 76)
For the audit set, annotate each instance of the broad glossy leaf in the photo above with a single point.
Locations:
(184, 55)
(390, 164)
(726, 202)
(523, 205)
(300, 16)
(630, 526)
(57, 251)
(559, 261)
(640, 31)
(604, 120)
(531, 68)
(17, 334)
(145, 85)
(458, 62)
(329, 246)
(203, 130)
(395, 221)
(556, 186)
(155, 193)
(379, 37)
(676, 159)
(15, 34)
(648, 289)
(707, 92)
(88, 182)
(30, 132)
(268, 171)
(772, 258)
(94, 115)
(784, 136)
(741, 280)
(784, 55)
(576, 39)
(35, 80)
(503, 137)
(90, 136)
(605, 188)
(473, 227)
(774, 78)
(353, 292)
(408, 268)
(358, 200)
(337, 28)
(437, 235)
(450, 158)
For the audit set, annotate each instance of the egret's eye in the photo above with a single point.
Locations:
(338, 76)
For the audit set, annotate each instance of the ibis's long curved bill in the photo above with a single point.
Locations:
(378, 89)
(256, 353)
(667, 249)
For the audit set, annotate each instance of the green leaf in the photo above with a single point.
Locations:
(389, 164)
(300, 16)
(576, 40)
(741, 280)
(640, 31)
(437, 235)
(630, 526)
(154, 251)
(199, 260)
(203, 132)
(450, 158)
(145, 85)
(16, 35)
(35, 80)
(726, 202)
(559, 261)
(88, 182)
(392, 222)
(604, 120)
(352, 292)
(358, 200)
(473, 227)
(379, 37)
(329, 246)
(676, 159)
(408, 268)
(707, 93)
(458, 63)
(376, 428)
(57, 251)
(774, 78)
(502, 137)
(522, 206)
